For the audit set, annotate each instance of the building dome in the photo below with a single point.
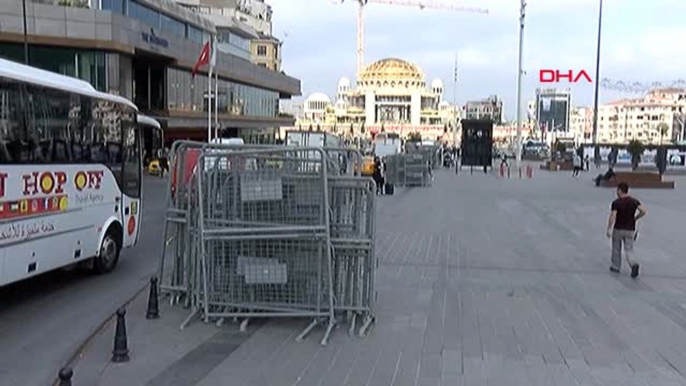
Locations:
(392, 70)
(317, 102)
(437, 83)
(318, 97)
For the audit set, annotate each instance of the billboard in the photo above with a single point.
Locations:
(553, 112)
(676, 159)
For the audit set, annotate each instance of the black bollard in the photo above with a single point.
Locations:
(153, 302)
(65, 375)
(121, 351)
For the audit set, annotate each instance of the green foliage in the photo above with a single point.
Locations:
(560, 146)
(635, 148)
(663, 129)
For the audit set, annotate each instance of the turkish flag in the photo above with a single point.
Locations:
(203, 59)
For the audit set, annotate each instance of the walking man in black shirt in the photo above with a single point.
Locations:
(621, 228)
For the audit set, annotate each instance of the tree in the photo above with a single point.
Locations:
(560, 146)
(635, 148)
(661, 160)
(663, 129)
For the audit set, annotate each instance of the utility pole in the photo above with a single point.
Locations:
(455, 103)
(519, 85)
(597, 84)
(26, 40)
(360, 36)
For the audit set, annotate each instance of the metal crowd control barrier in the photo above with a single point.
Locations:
(410, 169)
(180, 225)
(270, 231)
(264, 236)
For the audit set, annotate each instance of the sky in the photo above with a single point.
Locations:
(641, 41)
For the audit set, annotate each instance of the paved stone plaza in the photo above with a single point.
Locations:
(482, 281)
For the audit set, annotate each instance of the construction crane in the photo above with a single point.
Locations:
(421, 4)
(639, 87)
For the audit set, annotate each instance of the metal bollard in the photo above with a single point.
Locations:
(121, 351)
(64, 376)
(153, 311)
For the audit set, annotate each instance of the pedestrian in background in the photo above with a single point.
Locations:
(577, 165)
(621, 228)
(378, 179)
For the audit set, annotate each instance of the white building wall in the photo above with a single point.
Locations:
(369, 105)
(415, 107)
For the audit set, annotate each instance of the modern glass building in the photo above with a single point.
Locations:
(145, 50)
(553, 108)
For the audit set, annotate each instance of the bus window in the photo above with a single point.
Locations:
(97, 153)
(77, 152)
(11, 122)
(60, 152)
(48, 115)
(132, 167)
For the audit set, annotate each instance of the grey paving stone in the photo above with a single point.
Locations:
(484, 281)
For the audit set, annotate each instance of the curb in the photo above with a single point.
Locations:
(73, 359)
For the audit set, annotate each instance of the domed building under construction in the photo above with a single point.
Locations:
(390, 94)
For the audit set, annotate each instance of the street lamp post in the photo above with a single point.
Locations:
(519, 86)
(597, 83)
(26, 42)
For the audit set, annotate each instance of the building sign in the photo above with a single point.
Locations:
(152, 39)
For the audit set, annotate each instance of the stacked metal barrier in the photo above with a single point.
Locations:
(270, 232)
(411, 169)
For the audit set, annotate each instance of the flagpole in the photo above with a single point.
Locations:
(216, 104)
(209, 106)
(213, 63)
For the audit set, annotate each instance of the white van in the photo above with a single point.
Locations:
(223, 163)
(228, 141)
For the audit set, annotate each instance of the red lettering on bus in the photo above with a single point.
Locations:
(30, 183)
(95, 179)
(3, 177)
(61, 178)
(46, 183)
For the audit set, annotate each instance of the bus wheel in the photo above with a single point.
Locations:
(109, 252)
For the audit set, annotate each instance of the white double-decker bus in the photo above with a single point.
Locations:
(70, 174)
